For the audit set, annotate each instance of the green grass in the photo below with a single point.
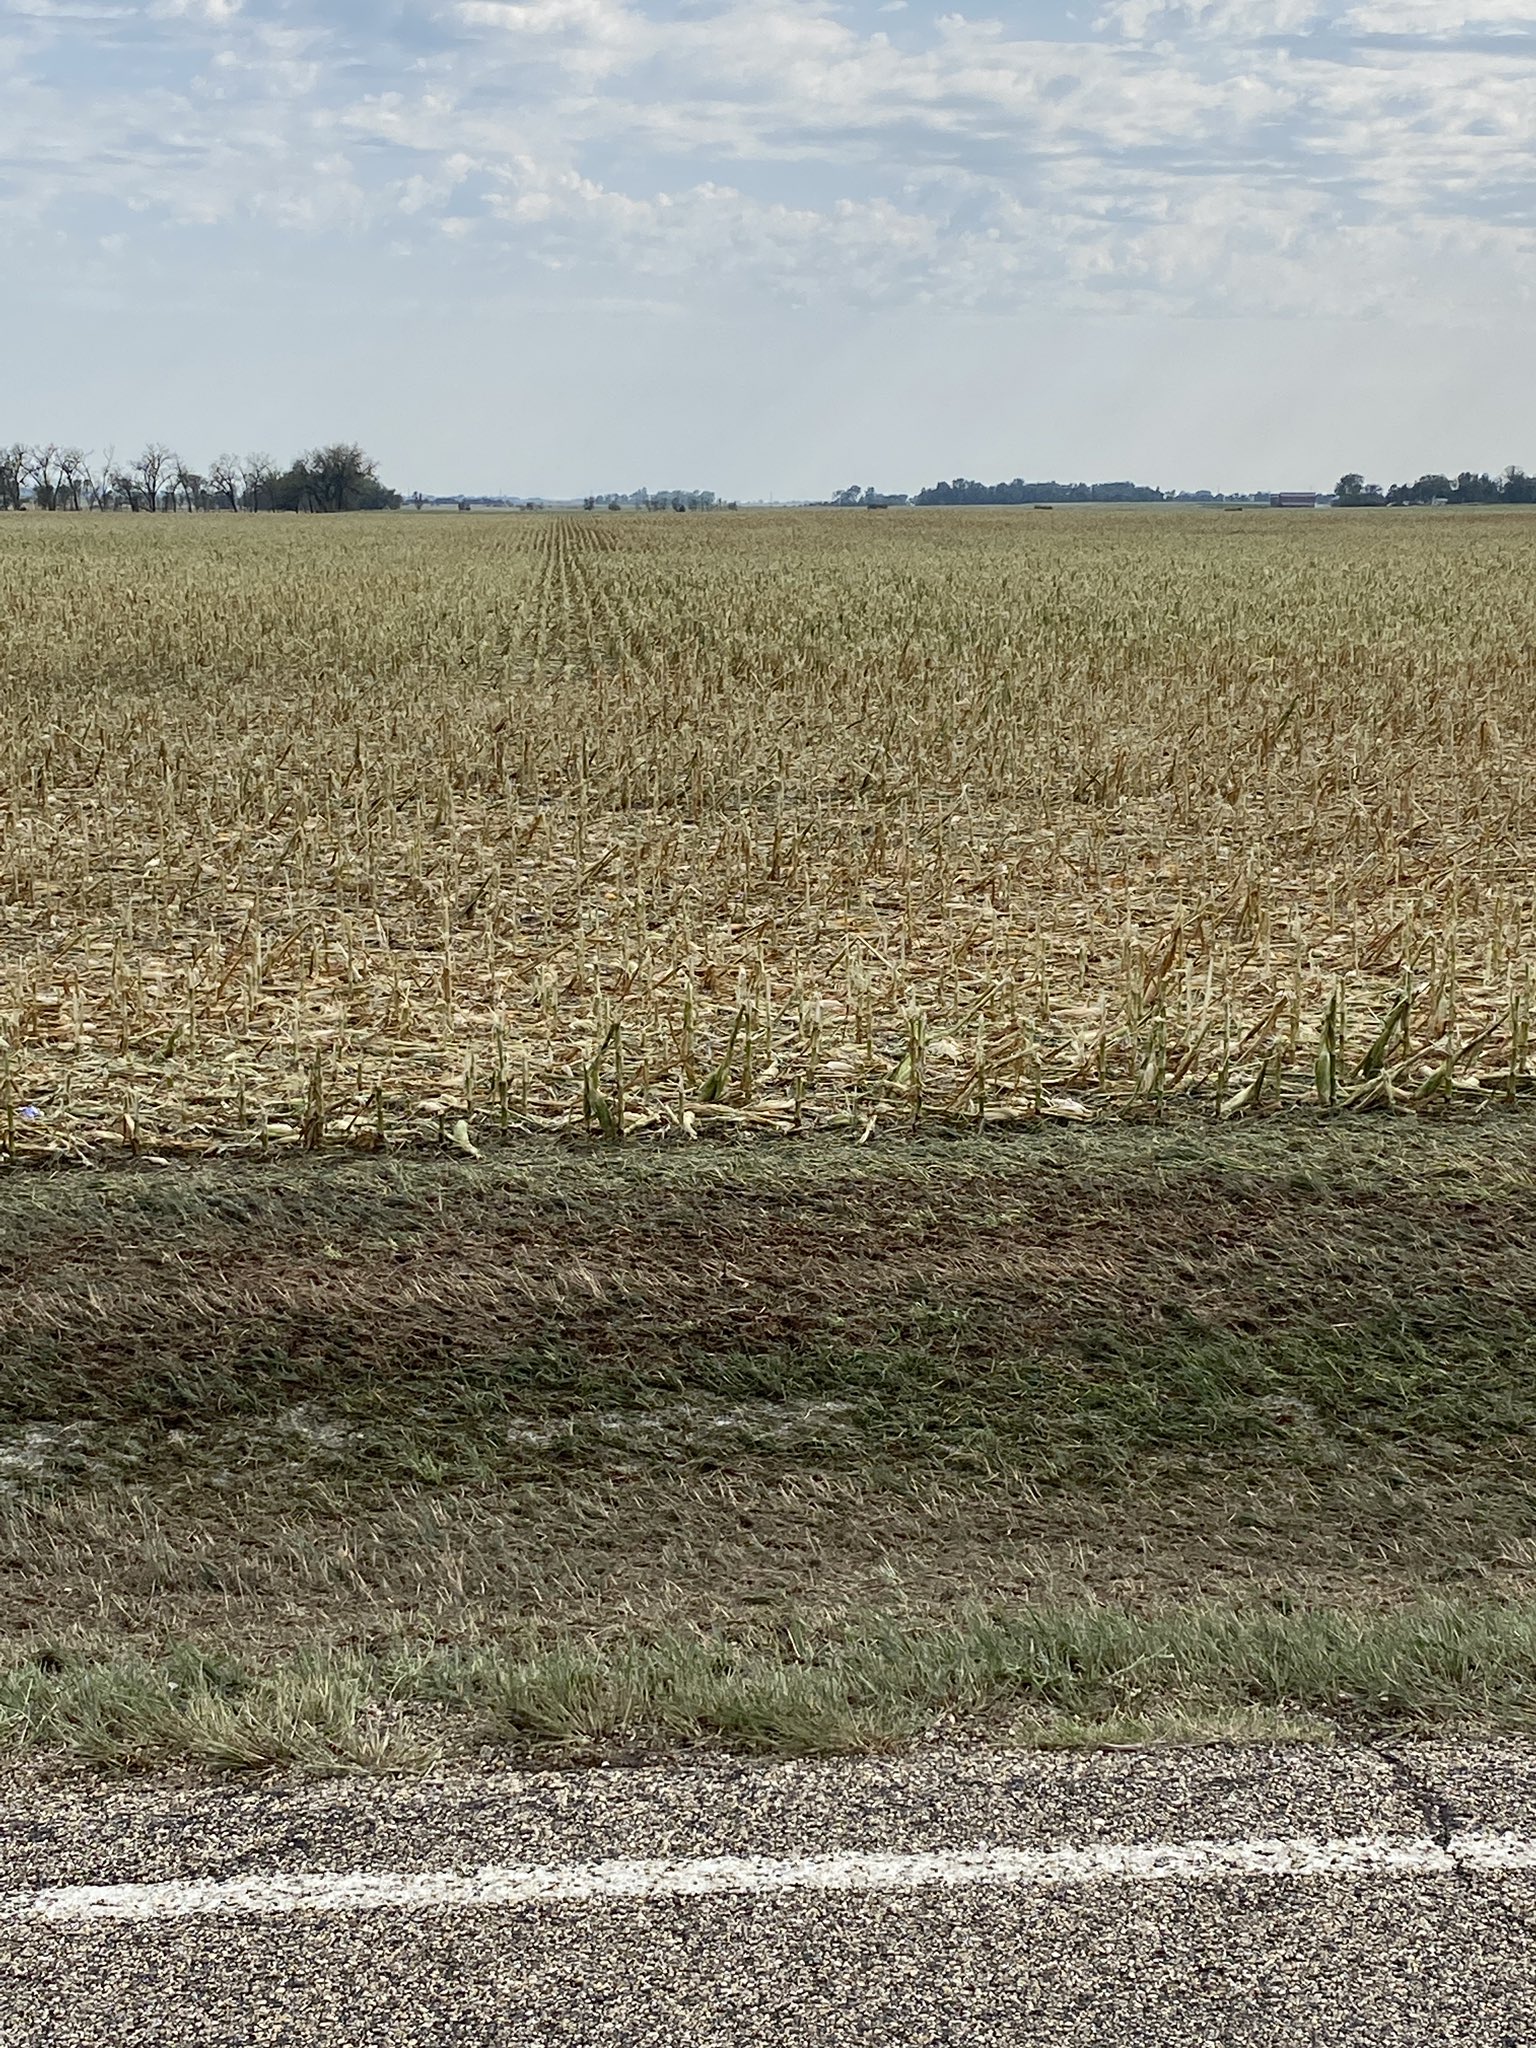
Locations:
(1072, 1674)
(796, 1446)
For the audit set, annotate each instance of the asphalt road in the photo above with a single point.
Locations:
(1232, 1897)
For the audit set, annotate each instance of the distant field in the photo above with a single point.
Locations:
(334, 833)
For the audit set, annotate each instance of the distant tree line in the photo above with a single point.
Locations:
(1471, 487)
(48, 478)
(963, 491)
(656, 501)
(867, 495)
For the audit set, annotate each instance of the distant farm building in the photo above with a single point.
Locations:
(1294, 501)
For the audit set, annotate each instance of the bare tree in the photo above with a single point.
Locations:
(101, 490)
(74, 477)
(41, 462)
(257, 474)
(124, 484)
(13, 474)
(189, 482)
(151, 466)
(224, 478)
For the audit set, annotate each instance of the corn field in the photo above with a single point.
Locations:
(363, 831)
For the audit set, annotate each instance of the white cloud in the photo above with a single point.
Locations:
(588, 37)
(1440, 17)
(1201, 155)
(1246, 21)
(65, 10)
(1228, 20)
(198, 10)
(549, 17)
(872, 247)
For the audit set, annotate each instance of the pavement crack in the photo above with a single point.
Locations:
(1441, 1821)
(1444, 1824)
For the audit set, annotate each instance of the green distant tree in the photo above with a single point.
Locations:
(966, 491)
(1474, 487)
(338, 478)
(1352, 489)
(344, 479)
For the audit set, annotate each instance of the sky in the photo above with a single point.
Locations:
(773, 247)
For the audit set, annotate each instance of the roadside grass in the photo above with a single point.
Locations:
(1064, 1675)
(1125, 1432)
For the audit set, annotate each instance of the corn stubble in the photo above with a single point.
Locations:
(358, 832)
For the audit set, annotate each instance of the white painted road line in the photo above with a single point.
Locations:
(627, 1879)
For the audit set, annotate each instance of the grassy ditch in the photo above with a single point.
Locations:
(1164, 1429)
